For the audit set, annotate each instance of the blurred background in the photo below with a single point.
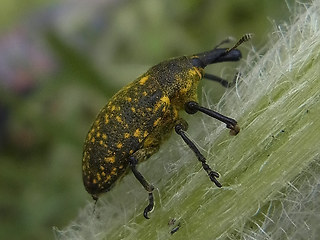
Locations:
(60, 61)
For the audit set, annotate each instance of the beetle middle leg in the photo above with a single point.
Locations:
(180, 129)
(192, 107)
(149, 187)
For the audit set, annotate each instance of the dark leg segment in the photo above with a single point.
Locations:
(212, 174)
(227, 40)
(133, 162)
(222, 81)
(193, 107)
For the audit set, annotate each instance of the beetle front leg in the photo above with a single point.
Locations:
(149, 187)
(180, 129)
(193, 107)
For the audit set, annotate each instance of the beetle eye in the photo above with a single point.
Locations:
(196, 62)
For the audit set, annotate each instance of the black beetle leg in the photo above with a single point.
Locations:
(193, 107)
(149, 187)
(222, 81)
(180, 129)
(227, 40)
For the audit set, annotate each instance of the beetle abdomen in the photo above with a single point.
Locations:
(121, 129)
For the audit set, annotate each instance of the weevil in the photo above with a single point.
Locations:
(137, 119)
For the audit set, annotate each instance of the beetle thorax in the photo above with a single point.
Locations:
(179, 79)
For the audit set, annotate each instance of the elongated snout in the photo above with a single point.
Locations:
(216, 55)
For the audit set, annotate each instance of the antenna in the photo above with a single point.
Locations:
(243, 39)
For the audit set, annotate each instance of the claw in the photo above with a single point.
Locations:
(213, 177)
(149, 208)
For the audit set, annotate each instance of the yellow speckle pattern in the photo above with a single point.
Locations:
(126, 135)
(196, 71)
(165, 99)
(106, 118)
(98, 177)
(157, 106)
(137, 133)
(114, 171)
(148, 142)
(119, 145)
(143, 80)
(110, 159)
(145, 133)
(156, 122)
(175, 113)
(119, 119)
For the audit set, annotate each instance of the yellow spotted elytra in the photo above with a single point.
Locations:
(137, 119)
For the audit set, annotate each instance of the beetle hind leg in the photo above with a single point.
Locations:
(149, 187)
(180, 130)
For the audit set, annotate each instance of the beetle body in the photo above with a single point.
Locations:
(136, 120)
